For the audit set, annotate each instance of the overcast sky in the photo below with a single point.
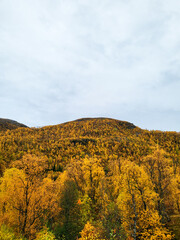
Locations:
(65, 59)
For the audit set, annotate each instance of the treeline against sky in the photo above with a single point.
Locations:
(93, 179)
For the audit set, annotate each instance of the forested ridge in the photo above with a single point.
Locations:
(93, 178)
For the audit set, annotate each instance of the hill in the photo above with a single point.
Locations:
(101, 168)
(98, 137)
(7, 124)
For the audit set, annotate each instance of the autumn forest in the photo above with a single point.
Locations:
(89, 179)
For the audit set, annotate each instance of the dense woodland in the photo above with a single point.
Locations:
(89, 179)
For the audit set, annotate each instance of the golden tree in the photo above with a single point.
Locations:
(159, 168)
(137, 204)
(90, 232)
(27, 200)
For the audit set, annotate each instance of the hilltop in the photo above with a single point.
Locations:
(104, 138)
(7, 124)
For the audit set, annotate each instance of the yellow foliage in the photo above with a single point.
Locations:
(27, 199)
(90, 233)
(108, 161)
(137, 204)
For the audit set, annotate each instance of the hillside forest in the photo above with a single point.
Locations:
(89, 179)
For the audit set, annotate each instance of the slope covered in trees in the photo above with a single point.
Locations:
(94, 178)
(6, 124)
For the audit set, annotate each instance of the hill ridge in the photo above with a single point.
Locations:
(8, 124)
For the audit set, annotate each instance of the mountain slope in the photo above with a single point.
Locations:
(6, 124)
(97, 137)
(92, 154)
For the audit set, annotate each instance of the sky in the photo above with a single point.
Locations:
(61, 60)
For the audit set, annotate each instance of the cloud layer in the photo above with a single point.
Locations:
(65, 59)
